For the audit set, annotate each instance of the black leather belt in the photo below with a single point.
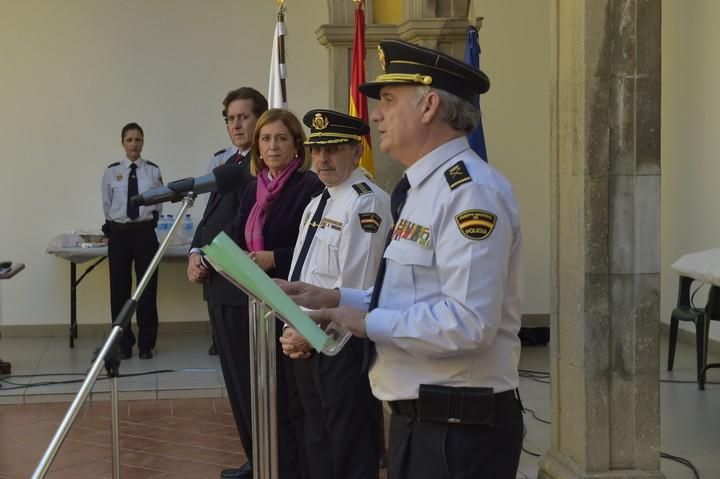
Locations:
(503, 404)
(114, 227)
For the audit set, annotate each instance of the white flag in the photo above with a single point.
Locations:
(276, 96)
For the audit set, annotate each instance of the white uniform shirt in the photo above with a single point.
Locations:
(450, 305)
(350, 240)
(221, 157)
(115, 189)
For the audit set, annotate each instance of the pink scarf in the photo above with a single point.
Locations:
(267, 192)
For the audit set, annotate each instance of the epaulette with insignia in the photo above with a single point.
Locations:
(152, 164)
(220, 152)
(457, 175)
(113, 164)
(362, 188)
(370, 222)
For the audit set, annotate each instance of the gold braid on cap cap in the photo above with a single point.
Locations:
(434, 67)
(336, 136)
(405, 77)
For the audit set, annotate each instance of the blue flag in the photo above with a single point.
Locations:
(476, 138)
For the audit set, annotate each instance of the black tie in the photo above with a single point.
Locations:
(397, 201)
(133, 211)
(314, 222)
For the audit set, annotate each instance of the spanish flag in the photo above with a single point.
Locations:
(358, 102)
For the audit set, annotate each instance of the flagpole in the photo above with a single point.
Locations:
(281, 47)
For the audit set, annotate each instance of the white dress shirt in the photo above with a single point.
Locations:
(450, 305)
(115, 189)
(347, 246)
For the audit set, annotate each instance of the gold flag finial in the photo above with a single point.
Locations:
(280, 2)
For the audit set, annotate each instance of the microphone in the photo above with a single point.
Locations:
(223, 179)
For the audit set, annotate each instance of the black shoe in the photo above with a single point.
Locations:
(244, 472)
(213, 350)
(125, 353)
(146, 354)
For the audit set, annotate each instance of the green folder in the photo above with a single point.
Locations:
(232, 262)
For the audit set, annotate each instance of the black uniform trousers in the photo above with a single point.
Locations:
(435, 450)
(232, 335)
(125, 248)
(341, 423)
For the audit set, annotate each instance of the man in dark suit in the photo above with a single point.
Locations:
(241, 110)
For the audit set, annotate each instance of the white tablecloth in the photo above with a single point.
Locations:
(702, 265)
(65, 246)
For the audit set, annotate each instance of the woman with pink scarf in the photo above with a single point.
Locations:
(267, 227)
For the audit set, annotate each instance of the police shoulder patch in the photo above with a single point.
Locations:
(476, 224)
(370, 222)
(113, 164)
(457, 175)
(219, 152)
(152, 164)
(362, 188)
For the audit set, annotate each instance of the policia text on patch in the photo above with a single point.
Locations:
(476, 224)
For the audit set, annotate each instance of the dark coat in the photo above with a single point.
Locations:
(283, 220)
(219, 214)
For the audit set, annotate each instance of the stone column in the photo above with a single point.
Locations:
(605, 163)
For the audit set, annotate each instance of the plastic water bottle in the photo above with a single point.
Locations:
(169, 220)
(339, 336)
(187, 228)
(160, 228)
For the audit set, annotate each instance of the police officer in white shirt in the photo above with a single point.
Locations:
(131, 238)
(444, 313)
(341, 241)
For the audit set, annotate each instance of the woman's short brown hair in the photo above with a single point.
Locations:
(296, 130)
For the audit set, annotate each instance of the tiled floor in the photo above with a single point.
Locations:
(177, 423)
(179, 438)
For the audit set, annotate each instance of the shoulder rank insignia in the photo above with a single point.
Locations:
(370, 222)
(476, 224)
(152, 164)
(219, 152)
(362, 188)
(457, 175)
(113, 164)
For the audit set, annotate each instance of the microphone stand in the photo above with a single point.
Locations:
(109, 356)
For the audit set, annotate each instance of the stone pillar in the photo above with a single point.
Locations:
(439, 24)
(605, 162)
